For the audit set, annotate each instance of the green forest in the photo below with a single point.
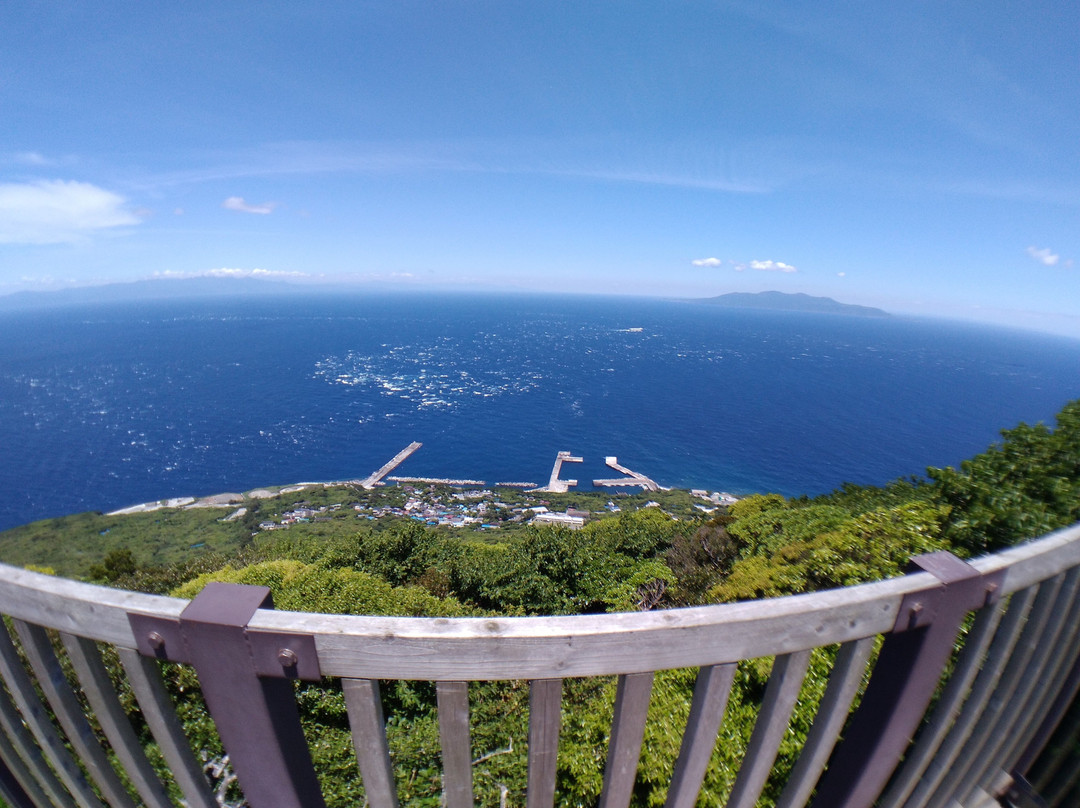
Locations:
(653, 551)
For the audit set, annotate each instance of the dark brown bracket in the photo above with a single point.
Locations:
(962, 587)
(243, 675)
(274, 654)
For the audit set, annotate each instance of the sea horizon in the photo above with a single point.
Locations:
(110, 404)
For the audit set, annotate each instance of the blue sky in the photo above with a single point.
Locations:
(918, 156)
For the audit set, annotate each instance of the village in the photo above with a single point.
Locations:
(440, 505)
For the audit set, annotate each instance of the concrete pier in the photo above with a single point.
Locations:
(556, 485)
(631, 478)
(396, 461)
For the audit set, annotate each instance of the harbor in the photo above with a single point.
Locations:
(556, 484)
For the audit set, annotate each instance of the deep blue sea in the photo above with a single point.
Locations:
(110, 405)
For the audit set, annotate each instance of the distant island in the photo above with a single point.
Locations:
(783, 301)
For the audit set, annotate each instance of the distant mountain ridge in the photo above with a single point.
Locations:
(784, 301)
(149, 289)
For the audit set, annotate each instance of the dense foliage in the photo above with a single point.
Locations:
(651, 557)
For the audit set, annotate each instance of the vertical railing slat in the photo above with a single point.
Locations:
(453, 702)
(785, 682)
(37, 718)
(699, 739)
(1064, 652)
(157, 708)
(1054, 784)
(22, 775)
(948, 707)
(12, 794)
(369, 738)
(1042, 649)
(69, 712)
(627, 730)
(847, 675)
(86, 660)
(993, 667)
(975, 748)
(545, 718)
(1055, 714)
(15, 733)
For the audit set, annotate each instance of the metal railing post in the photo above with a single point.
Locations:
(909, 666)
(245, 680)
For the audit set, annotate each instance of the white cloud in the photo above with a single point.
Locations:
(1044, 256)
(772, 266)
(739, 266)
(238, 203)
(56, 211)
(229, 272)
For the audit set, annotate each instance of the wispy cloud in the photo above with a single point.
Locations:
(57, 211)
(708, 262)
(609, 160)
(230, 272)
(237, 203)
(32, 158)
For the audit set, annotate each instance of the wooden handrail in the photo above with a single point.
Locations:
(453, 651)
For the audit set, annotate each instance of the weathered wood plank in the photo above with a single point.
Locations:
(453, 703)
(369, 738)
(157, 708)
(21, 741)
(627, 730)
(699, 738)
(69, 713)
(785, 682)
(847, 675)
(549, 647)
(545, 719)
(95, 612)
(948, 707)
(1031, 562)
(590, 645)
(36, 716)
(86, 660)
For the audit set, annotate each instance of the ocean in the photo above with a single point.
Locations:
(106, 405)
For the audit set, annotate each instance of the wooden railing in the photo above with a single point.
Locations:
(976, 661)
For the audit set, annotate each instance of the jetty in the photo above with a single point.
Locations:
(630, 478)
(394, 462)
(555, 484)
